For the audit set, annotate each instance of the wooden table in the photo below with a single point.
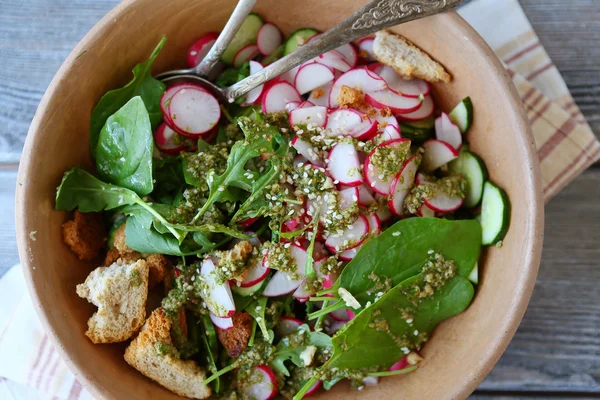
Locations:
(556, 351)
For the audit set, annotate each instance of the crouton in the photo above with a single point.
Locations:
(111, 256)
(120, 292)
(349, 97)
(236, 339)
(84, 234)
(234, 261)
(119, 240)
(158, 265)
(153, 354)
(407, 59)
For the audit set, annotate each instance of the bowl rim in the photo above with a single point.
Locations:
(533, 182)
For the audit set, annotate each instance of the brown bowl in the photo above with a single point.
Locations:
(462, 350)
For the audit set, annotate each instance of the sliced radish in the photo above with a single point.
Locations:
(397, 103)
(426, 212)
(365, 198)
(400, 364)
(263, 384)
(163, 137)
(335, 60)
(359, 78)
(443, 203)
(165, 100)
(348, 197)
(437, 153)
(425, 111)
(292, 105)
(320, 95)
(352, 236)
(447, 131)
(290, 76)
(343, 164)
(365, 47)
(281, 284)
(340, 315)
(253, 96)
(269, 39)
(374, 224)
(348, 255)
(221, 323)
(406, 87)
(421, 179)
(370, 380)
(288, 325)
(300, 161)
(384, 122)
(306, 150)
(277, 96)
(247, 222)
(194, 112)
(200, 48)
(219, 300)
(374, 177)
(315, 388)
(383, 212)
(311, 76)
(333, 326)
(257, 272)
(402, 184)
(351, 314)
(246, 53)
(350, 54)
(375, 67)
(349, 122)
(315, 116)
(390, 132)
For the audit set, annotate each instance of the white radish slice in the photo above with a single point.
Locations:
(263, 384)
(221, 323)
(406, 87)
(306, 104)
(256, 273)
(402, 185)
(340, 315)
(365, 47)
(370, 380)
(290, 76)
(314, 388)
(352, 236)
(315, 116)
(299, 161)
(350, 54)
(277, 96)
(437, 153)
(332, 328)
(390, 132)
(320, 95)
(335, 60)
(443, 203)
(384, 122)
(163, 137)
(246, 53)
(374, 177)
(343, 164)
(348, 197)
(219, 301)
(165, 99)
(200, 48)
(288, 325)
(426, 212)
(383, 212)
(253, 96)
(359, 78)
(425, 111)
(365, 197)
(375, 67)
(269, 38)
(292, 105)
(421, 179)
(400, 364)
(374, 224)
(194, 111)
(281, 284)
(311, 76)
(447, 131)
(397, 103)
(353, 123)
(306, 150)
(348, 255)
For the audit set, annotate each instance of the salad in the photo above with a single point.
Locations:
(315, 231)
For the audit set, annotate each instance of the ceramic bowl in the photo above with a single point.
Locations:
(462, 350)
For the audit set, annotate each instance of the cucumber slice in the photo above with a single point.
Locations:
(462, 115)
(415, 134)
(474, 275)
(249, 291)
(473, 169)
(245, 35)
(495, 214)
(297, 38)
(426, 123)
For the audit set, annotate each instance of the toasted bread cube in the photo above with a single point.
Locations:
(236, 339)
(84, 234)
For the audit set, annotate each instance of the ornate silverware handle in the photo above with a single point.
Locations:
(375, 16)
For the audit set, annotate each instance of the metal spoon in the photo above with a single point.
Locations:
(373, 17)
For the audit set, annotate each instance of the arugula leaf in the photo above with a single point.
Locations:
(233, 75)
(142, 84)
(291, 347)
(124, 150)
(168, 177)
(209, 339)
(257, 309)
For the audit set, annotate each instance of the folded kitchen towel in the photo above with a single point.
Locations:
(31, 369)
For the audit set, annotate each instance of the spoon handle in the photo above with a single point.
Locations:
(373, 17)
(241, 11)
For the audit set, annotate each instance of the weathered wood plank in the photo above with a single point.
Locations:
(8, 243)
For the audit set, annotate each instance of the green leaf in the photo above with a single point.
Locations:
(124, 150)
(142, 84)
(209, 340)
(168, 178)
(257, 309)
(291, 346)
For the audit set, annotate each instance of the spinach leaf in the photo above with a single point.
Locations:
(147, 240)
(168, 179)
(142, 84)
(233, 75)
(291, 347)
(124, 150)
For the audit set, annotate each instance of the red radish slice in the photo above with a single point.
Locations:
(288, 325)
(315, 116)
(443, 203)
(340, 315)
(359, 78)
(165, 99)
(426, 212)
(307, 150)
(200, 48)
(395, 102)
(299, 161)
(269, 39)
(163, 137)
(425, 111)
(264, 384)
(365, 47)
(320, 95)
(384, 122)
(292, 105)
(253, 96)
(334, 60)
(348, 255)
(306, 104)
(374, 177)
(400, 364)
(365, 198)
(404, 181)
(194, 111)
(311, 76)
(315, 388)
(353, 236)
(390, 132)
(437, 153)
(246, 53)
(375, 67)
(290, 76)
(383, 212)
(301, 294)
(281, 284)
(219, 301)
(221, 323)
(348, 197)
(256, 273)
(277, 96)
(247, 222)
(350, 54)
(374, 224)
(447, 131)
(406, 87)
(334, 326)
(421, 179)
(351, 314)
(348, 122)
(343, 164)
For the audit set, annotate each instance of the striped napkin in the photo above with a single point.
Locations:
(31, 369)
